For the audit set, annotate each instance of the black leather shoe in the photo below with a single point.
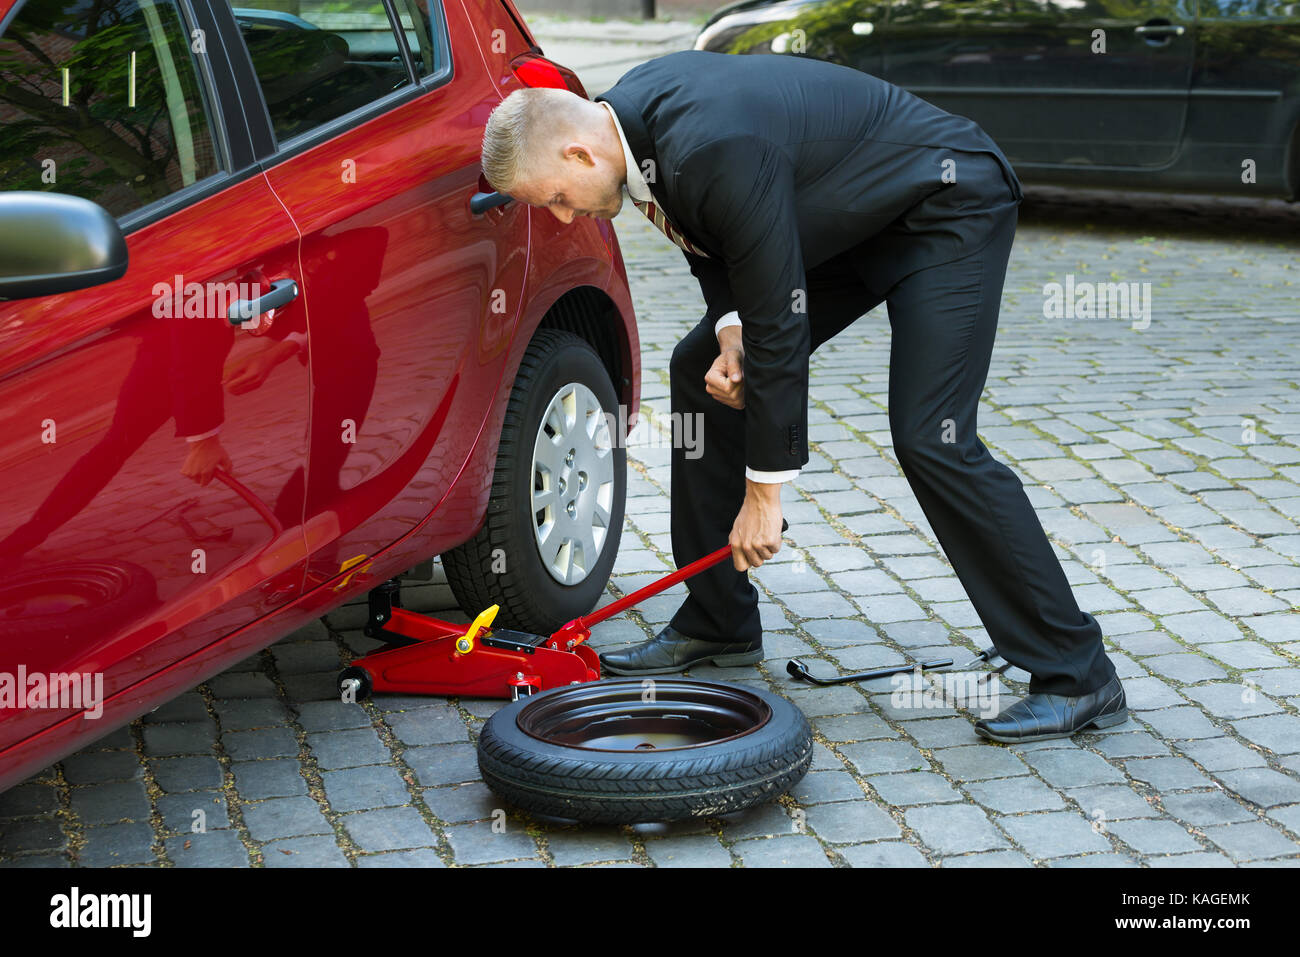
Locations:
(1042, 716)
(671, 651)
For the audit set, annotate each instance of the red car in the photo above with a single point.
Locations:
(259, 355)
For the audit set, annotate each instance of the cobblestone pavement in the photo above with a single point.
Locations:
(1177, 525)
(1164, 463)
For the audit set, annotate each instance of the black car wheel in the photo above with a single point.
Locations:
(631, 750)
(555, 513)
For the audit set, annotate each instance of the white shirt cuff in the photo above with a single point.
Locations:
(212, 432)
(771, 478)
(730, 319)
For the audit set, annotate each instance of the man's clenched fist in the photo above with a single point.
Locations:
(725, 380)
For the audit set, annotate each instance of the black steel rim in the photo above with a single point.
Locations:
(673, 714)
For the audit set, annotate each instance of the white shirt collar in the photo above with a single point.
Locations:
(636, 185)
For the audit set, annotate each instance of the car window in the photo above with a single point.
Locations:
(327, 59)
(102, 100)
(418, 26)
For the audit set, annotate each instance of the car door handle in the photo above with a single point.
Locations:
(480, 203)
(1159, 31)
(283, 292)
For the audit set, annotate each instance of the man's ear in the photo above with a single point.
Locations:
(579, 150)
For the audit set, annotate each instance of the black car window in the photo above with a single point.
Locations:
(327, 59)
(102, 100)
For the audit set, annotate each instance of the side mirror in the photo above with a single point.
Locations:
(52, 243)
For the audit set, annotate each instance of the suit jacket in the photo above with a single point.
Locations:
(774, 164)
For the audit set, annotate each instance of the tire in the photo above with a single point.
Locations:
(74, 599)
(637, 784)
(558, 373)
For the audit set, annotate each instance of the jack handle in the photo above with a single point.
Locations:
(579, 630)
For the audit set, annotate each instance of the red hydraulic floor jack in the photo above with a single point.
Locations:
(425, 655)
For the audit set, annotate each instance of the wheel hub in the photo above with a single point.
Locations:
(573, 484)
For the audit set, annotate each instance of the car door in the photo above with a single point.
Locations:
(411, 300)
(1082, 83)
(145, 441)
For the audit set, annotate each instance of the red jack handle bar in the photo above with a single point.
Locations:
(580, 628)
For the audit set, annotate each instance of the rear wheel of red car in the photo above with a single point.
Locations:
(555, 513)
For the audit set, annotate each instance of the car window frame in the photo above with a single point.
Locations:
(230, 135)
(268, 150)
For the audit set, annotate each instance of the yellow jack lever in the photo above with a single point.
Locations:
(465, 643)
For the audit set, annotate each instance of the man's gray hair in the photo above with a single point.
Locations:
(522, 131)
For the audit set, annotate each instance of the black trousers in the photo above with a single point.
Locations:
(943, 320)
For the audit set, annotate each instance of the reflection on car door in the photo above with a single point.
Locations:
(113, 560)
(1053, 81)
(411, 300)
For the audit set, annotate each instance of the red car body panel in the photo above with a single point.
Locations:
(429, 307)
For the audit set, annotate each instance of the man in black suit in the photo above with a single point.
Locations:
(803, 194)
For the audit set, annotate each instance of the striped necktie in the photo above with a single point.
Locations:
(656, 216)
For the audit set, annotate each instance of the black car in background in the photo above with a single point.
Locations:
(1193, 95)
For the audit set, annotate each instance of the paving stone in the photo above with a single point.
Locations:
(117, 844)
(355, 789)
(698, 850)
(1201, 627)
(1111, 802)
(420, 857)
(1185, 668)
(443, 763)
(824, 787)
(392, 829)
(1053, 834)
(765, 820)
(1201, 808)
(304, 852)
(1222, 754)
(255, 780)
(284, 817)
(851, 822)
(954, 828)
(1227, 700)
(1261, 786)
(1067, 768)
(1153, 837)
(942, 732)
(332, 715)
(246, 714)
(1015, 795)
(100, 767)
(885, 854)
(1245, 654)
(466, 802)
(209, 849)
(988, 859)
(878, 757)
(792, 850)
(1201, 859)
(1131, 744)
(1167, 774)
(979, 762)
(187, 774)
(1104, 861)
(348, 749)
(856, 727)
(428, 726)
(1180, 723)
(178, 811)
(916, 787)
(1150, 694)
(1251, 841)
(41, 835)
(28, 799)
(262, 743)
(112, 802)
(588, 845)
